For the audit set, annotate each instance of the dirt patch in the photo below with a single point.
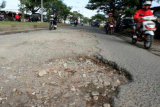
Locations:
(69, 82)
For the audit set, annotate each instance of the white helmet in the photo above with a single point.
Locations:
(147, 3)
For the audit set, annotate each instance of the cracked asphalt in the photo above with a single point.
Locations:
(142, 64)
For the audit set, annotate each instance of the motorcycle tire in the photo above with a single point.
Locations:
(55, 28)
(148, 41)
(111, 32)
(50, 26)
(134, 41)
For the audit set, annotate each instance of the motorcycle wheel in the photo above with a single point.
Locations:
(133, 40)
(148, 41)
(50, 26)
(109, 31)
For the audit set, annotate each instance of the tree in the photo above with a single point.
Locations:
(98, 17)
(75, 15)
(62, 9)
(65, 12)
(86, 19)
(113, 5)
(32, 5)
(3, 5)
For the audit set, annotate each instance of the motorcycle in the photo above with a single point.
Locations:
(75, 23)
(146, 32)
(52, 23)
(110, 28)
(82, 24)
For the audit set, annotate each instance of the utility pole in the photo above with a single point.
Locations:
(22, 9)
(41, 10)
(22, 12)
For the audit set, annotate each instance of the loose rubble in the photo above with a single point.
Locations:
(70, 82)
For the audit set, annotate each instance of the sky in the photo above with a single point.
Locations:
(77, 5)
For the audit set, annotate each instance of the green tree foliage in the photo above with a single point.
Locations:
(75, 15)
(99, 17)
(64, 12)
(3, 4)
(115, 6)
(62, 9)
(31, 5)
(86, 19)
(34, 5)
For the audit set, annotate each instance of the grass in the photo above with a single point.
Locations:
(22, 23)
(26, 23)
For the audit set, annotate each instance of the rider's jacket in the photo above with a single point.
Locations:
(55, 14)
(142, 13)
(110, 19)
(17, 16)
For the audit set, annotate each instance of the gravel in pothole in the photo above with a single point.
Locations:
(70, 82)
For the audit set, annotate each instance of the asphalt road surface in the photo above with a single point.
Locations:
(142, 64)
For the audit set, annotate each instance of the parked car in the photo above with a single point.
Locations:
(156, 12)
(37, 17)
(71, 22)
(96, 24)
(125, 24)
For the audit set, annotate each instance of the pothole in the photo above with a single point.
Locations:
(69, 82)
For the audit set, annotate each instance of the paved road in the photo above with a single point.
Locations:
(23, 50)
(143, 65)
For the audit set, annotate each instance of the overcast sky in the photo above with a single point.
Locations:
(78, 5)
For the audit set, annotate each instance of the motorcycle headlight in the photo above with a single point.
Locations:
(51, 15)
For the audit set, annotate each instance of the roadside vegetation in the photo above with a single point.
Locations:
(26, 23)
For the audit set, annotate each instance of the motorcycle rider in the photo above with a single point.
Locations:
(145, 11)
(82, 23)
(110, 19)
(55, 16)
(76, 21)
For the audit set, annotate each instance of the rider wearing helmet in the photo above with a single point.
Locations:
(109, 20)
(145, 11)
(55, 16)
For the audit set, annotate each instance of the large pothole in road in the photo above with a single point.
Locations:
(70, 82)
